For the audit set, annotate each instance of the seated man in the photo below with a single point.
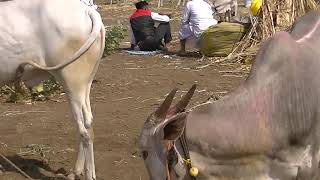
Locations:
(247, 3)
(145, 36)
(197, 17)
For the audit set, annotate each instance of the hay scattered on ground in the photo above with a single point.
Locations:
(274, 16)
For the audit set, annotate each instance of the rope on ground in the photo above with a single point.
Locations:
(16, 167)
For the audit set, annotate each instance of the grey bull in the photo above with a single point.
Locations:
(65, 39)
(256, 131)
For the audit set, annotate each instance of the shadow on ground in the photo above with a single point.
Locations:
(36, 169)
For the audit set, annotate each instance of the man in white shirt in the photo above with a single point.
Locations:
(247, 3)
(197, 17)
(144, 35)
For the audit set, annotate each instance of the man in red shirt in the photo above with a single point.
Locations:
(145, 35)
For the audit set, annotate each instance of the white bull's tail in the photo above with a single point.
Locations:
(97, 25)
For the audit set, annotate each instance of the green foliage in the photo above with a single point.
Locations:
(113, 38)
(46, 89)
(11, 94)
(42, 91)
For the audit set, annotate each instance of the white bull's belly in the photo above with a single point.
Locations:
(7, 69)
(12, 56)
(19, 43)
(31, 76)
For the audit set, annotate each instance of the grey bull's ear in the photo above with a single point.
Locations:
(174, 127)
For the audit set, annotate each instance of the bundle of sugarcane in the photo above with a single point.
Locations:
(220, 40)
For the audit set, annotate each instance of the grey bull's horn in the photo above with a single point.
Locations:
(161, 112)
(183, 103)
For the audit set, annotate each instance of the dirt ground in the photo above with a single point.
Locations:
(127, 90)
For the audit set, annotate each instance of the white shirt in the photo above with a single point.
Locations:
(247, 3)
(159, 18)
(199, 15)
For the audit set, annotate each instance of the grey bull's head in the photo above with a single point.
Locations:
(159, 132)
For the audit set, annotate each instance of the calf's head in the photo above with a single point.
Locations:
(158, 135)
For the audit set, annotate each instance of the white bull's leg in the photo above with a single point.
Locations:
(315, 160)
(87, 110)
(313, 172)
(76, 80)
(89, 156)
(77, 86)
(314, 151)
(79, 167)
(82, 116)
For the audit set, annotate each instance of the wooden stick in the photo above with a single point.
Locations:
(121, 99)
(271, 19)
(7, 87)
(223, 59)
(230, 75)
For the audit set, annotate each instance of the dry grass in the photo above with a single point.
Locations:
(33, 149)
(275, 15)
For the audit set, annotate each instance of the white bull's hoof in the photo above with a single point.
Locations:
(90, 177)
(304, 173)
(73, 176)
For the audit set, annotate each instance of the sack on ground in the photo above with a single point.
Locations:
(219, 40)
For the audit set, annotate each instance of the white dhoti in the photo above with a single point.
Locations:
(197, 17)
(192, 33)
(187, 32)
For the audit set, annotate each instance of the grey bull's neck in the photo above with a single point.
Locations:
(203, 123)
(252, 121)
(222, 121)
(258, 117)
(210, 128)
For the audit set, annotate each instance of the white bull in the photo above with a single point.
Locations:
(62, 38)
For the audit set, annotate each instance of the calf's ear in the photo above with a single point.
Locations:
(173, 128)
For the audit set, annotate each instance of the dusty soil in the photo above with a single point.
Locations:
(127, 90)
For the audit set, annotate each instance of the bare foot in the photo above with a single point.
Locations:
(163, 48)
